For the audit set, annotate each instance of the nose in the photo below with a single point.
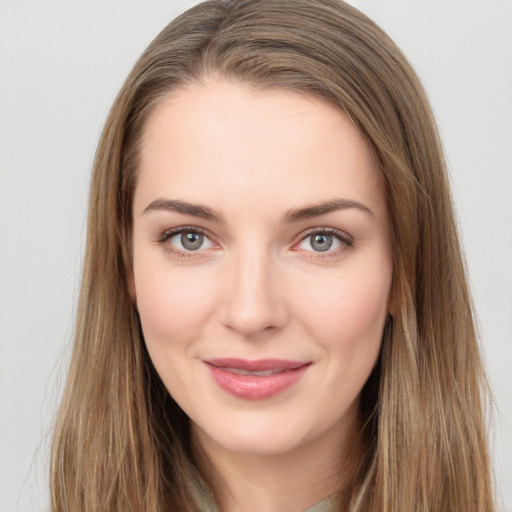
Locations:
(254, 300)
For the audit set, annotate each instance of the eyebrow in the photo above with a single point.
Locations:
(174, 205)
(315, 210)
(293, 215)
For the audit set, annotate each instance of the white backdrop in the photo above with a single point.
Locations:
(61, 64)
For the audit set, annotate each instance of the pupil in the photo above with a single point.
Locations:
(192, 241)
(321, 243)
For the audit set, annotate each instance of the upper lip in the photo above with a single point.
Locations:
(256, 365)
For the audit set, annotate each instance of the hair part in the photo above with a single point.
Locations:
(121, 443)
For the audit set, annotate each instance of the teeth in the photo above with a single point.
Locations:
(260, 373)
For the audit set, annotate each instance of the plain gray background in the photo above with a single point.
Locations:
(61, 64)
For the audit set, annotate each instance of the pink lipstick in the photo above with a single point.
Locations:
(256, 380)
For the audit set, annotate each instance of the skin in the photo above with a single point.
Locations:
(258, 287)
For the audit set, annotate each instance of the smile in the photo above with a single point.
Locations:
(255, 380)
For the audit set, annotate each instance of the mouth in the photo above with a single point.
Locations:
(256, 380)
(257, 373)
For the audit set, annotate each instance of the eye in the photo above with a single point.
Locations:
(321, 242)
(186, 240)
(190, 241)
(326, 240)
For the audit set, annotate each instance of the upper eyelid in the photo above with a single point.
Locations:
(343, 235)
(169, 233)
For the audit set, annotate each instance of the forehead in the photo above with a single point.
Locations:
(210, 141)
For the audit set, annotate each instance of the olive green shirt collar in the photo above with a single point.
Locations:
(206, 504)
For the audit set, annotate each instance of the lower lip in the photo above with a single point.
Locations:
(252, 387)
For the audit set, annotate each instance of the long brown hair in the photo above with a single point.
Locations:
(121, 443)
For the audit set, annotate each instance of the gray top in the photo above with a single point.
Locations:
(207, 504)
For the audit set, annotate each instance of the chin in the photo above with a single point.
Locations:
(254, 436)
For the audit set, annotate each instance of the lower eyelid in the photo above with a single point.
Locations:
(180, 254)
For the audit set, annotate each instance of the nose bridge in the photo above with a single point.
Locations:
(254, 301)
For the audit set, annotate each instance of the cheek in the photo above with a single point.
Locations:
(347, 312)
(173, 305)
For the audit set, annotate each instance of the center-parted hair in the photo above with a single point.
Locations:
(121, 443)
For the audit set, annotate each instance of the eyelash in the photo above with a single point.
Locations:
(169, 234)
(346, 242)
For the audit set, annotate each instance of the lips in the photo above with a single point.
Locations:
(258, 373)
(256, 380)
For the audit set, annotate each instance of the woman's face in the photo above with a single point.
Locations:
(262, 264)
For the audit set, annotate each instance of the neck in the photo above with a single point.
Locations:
(294, 480)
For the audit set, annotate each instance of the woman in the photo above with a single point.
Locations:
(274, 313)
